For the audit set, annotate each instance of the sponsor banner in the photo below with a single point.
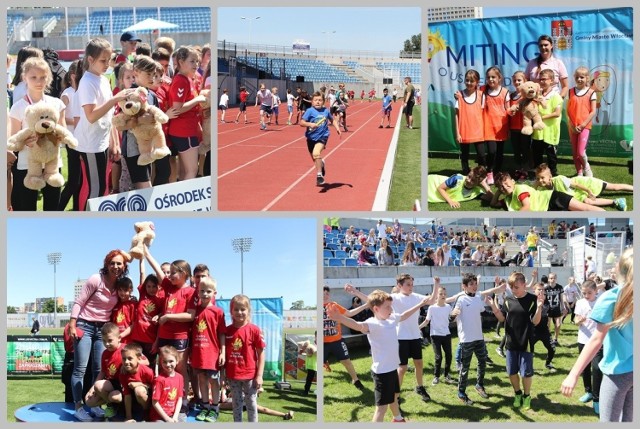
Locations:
(301, 46)
(601, 40)
(300, 319)
(294, 361)
(189, 195)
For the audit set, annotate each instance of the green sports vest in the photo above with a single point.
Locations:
(538, 200)
(457, 193)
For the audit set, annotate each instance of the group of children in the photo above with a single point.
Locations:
(174, 336)
(487, 116)
(525, 317)
(94, 86)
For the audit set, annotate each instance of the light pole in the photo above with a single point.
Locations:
(241, 245)
(250, 19)
(54, 259)
(327, 33)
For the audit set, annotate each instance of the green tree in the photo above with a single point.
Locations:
(297, 305)
(11, 310)
(47, 307)
(414, 44)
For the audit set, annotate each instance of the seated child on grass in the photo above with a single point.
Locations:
(452, 190)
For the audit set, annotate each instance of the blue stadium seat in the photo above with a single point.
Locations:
(341, 254)
(351, 262)
(333, 246)
(336, 262)
(327, 253)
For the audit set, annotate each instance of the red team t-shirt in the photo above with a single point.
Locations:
(110, 363)
(241, 344)
(166, 390)
(144, 374)
(177, 301)
(145, 331)
(123, 315)
(205, 347)
(182, 90)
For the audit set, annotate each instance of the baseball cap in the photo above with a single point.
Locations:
(129, 36)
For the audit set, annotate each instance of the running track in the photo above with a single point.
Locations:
(272, 169)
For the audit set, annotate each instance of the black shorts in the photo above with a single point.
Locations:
(555, 312)
(311, 144)
(385, 387)
(604, 187)
(408, 108)
(222, 107)
(179, 345)
(243, 106)
(182, 144)
(559, 201)
(337, 348)
(409, 349)
(266, 109)
(138, 173)
(115, 383)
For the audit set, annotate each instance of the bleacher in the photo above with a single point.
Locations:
(12, 20)
(312, 70)
(412, 69)
(188, 19)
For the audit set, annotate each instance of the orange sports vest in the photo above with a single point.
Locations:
(470, 118)
(579, 107)
(495, 118)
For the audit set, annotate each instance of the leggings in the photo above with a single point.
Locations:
(592, 376)
(521, 146)
(163, 171)
(495, 156)
(244, 393)
(465, 149)
(74, 181)
(440, 344)
(616, 399)
(539, 148)
(95, 165)
(311, 374)
(206, 171)
(545, 338)
(579, 143)
(25, 199)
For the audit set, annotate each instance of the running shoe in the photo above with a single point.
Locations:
(212, 416)
(596, 407)
(110, 411)
(449, 380)
(402, 420)
(481, 391)
(420, 390)
(526, 402)
(82, 415)
(202, 415)
(97, 412)
(319, 180)
(435, 381)
(621, 204)
(464, 398)
(517, 401)
(380, 126)
(358, 384)
(586, 397)
(288, 416)
(263, 127)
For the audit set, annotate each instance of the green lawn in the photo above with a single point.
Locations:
(405, 180)
(612, 170)
(344, 403)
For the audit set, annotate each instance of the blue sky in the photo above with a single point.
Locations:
(282, 260)
(363, 28)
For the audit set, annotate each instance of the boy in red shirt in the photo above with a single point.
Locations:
(136, 379)
(243, 104)
(124, 313)
(106, 389)
(208, 349)
(167, 388)
(149, 308)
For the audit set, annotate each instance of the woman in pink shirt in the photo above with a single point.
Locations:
(546, 60)
(90, 311)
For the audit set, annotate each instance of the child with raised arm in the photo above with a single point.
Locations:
(438, 319)
(208, 349)
(136, 380)
(167, 388)
(245, 357)
(382, 333)
(317, 120)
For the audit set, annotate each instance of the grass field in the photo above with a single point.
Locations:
(344, 403)
(612, 170)
(405, 181)
(23, 390)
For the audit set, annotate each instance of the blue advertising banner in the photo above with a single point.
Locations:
(601, 40)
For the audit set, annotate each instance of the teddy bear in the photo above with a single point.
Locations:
(528, 105)
(42, 121)
(145, 123)
(145, 233)
(205, 145)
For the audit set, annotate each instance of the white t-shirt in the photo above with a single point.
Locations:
(571, 292)
(290, 98)
(224, 100)
(469, 321)
(408, 328)
(382, 231)
(265, 98)
(18, 112)
(384, 343)
(93, 138)
(19, 91)
(588, 327)
(69, 93)
(439, 317)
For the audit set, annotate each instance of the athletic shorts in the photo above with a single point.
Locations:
(212, 374)
(559, 201)
(555, 312)
(337, 348)
(183, 144)
(519, 363)
(408, 108)
(222, 107)
(179, 345)
(243, 106)
(138, 173)
(385, 387)
(290, 109)
(115, 383)
(409, 349)
(604, 187)
(386, 112)
(276, 110)
(312, 143)
(266, 109)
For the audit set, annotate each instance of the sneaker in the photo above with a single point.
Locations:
(596, 407)
(550, 367)
(410, 127)
(236, 121)
(82, 415)
(222, 122)
(110, 411)
(380, 126)
(517, 401)
(481, 391)
(319, 180)
(420, 390)
(526, 402)
(97, 412)
(212, 416)
(588, 172)
(621, 204)
(202, 415)
(402, 420)
(449, 380)
(288, 416)
(323, 171)
(263, 127)
(465, 399)
(358, 384)
(388, 126)
(490, 178)
(490, 362)
(435, 381)
(288, 122)
(586, 397)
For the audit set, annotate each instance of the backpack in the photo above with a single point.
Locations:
(58, 72)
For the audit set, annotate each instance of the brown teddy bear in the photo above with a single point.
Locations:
(145, 233)
(205, 145)
(145, 123)
(528, 105)
(42, 121)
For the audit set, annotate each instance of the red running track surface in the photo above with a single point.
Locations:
(272, 170)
